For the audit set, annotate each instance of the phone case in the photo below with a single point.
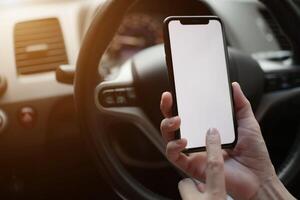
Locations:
(195, 20)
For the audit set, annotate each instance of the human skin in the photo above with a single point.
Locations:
(248, 169)
(214, 188)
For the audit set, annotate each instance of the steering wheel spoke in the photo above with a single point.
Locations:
(117, 93)
(93, 105)
(118, 98)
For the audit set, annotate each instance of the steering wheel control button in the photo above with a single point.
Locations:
(118, 97)
(280, 81)
(3, 121)
(285, 81)
(272, 82)
(27, 117)
(107, 98)
(296, 79)
(121, 97)
(131, 95)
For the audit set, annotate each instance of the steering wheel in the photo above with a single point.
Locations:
(138, 87)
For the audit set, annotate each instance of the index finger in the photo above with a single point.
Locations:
(215, 178)
(166, 104)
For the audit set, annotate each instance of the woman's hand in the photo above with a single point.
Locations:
(247, 167)
(214, 187)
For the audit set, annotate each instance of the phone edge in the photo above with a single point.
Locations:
(169, 62)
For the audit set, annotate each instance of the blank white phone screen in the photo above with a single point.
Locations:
(201, 81)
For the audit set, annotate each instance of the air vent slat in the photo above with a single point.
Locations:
(38, 36)
(41, 41)
(40, 68)
(41, 61)
(39, 46)
(36, 23)
(55, 52)
(36, 30)
(22, 37)
(50, 46)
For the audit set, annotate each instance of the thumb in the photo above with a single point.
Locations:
(241, 103)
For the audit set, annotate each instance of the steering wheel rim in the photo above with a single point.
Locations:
(101, 31)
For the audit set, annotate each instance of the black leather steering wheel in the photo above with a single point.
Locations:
(141, 78)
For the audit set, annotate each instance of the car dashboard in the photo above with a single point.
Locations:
(141, 28)
(38, 127)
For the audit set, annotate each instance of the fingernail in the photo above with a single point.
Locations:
(208, 131)
(237, 84)
(212, 131)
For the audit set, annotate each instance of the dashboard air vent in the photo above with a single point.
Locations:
(283, 41)
(39, 46)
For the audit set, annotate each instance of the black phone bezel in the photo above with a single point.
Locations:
(195, 20)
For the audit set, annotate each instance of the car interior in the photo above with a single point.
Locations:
(80, 88)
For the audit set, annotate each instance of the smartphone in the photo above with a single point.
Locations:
(197, 61)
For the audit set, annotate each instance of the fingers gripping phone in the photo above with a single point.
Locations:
(197, 62)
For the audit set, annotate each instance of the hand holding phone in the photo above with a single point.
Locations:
(247, 167)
